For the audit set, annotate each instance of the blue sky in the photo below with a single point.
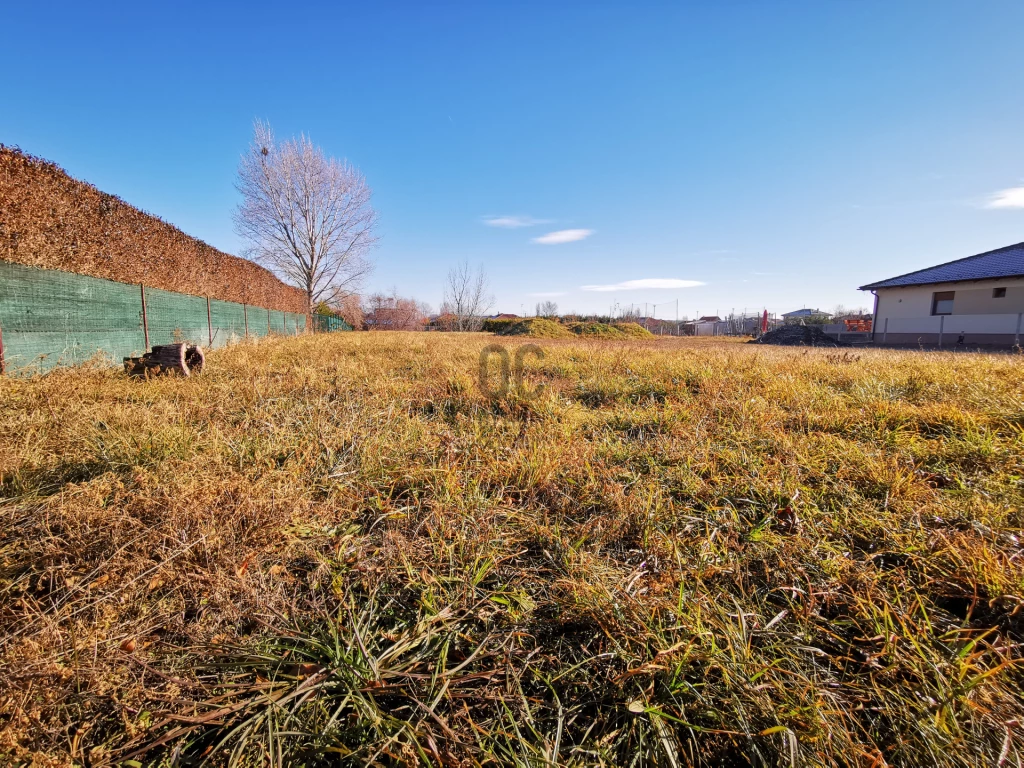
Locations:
(780, 153)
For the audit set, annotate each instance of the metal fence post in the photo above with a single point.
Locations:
(145, 319)
(268, 321)
(1016, 336)
(209, 320)
(3, 366)
(245, 316)
(942, 324)
(885, 330)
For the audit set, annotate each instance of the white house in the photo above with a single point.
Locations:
(978, 300)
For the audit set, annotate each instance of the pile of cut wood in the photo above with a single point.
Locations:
(184, 359)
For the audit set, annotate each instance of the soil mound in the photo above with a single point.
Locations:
(799, 336)
(634, 330)
(537, 328)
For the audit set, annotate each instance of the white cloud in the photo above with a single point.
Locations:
(650, 282)
(1007, 198)
(547, 294)
(563, 236)
(513, 222)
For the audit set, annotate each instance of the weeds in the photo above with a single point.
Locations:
(338, 550)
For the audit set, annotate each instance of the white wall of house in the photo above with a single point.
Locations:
(904, 312)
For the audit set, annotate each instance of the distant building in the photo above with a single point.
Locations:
(504, 316)
(975, 300)
(805, 316)
(708, 325)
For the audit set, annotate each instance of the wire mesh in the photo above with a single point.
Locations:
(50, 318)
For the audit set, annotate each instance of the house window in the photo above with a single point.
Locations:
(998, 293)
(942, 302)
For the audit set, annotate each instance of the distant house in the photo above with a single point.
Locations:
(707, 325)
(805, 316)
(504, 316)
(442, 322)
(975, 300)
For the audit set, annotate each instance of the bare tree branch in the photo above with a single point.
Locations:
(547, 309)
(306, 216)
(467, 298)
(395, 313)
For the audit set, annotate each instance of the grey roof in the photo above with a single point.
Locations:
(805, 312)
(1002, 262)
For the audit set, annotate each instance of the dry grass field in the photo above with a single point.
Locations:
(339, 551)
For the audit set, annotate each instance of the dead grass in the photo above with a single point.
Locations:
(337, 550)
(535, 327)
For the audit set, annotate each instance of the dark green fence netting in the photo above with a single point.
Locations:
(50, 318)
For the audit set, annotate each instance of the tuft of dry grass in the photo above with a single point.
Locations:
(338, 550)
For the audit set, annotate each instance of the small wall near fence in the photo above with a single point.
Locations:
(50, 318)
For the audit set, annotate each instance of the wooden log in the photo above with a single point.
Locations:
(183, 359)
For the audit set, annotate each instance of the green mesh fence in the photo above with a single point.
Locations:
(328, 323)
(228, 322)
(277, 322)
(50, 318)
(175, 317)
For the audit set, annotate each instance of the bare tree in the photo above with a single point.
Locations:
(467, 298)
(306, 216)
(547, 309)
(395, 313)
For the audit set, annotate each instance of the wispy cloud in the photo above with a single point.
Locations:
(1007, 198)
(563, 236)
(547, 294)
(513, 222)
(646, 283)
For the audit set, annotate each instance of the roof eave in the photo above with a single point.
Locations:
(876, 286)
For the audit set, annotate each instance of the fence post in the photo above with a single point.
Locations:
(145, 319)
(268, 321)
(1016, 337)
(885, 330)
(245, 314)
(209, 320)
(3, 366)
(942, 324)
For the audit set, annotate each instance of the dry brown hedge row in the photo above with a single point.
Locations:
(50, 220)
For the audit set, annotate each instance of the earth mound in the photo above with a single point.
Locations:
(597, 330)
(536, 328)
(798, 336)
(634, 330)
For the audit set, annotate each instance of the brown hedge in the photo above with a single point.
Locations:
(50, 220)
